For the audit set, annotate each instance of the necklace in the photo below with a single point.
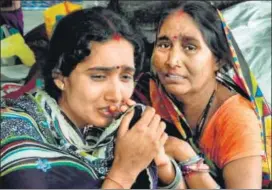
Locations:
(202, 119)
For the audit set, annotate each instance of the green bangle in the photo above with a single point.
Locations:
(177, 179)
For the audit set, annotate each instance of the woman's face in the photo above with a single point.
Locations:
(181, 58)
(103, 79)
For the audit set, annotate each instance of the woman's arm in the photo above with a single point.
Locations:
(169, 173)
(244, 173)
(181, 151)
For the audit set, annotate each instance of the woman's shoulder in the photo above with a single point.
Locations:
(35, 164)
(17, 119)
(237, 107)
(236, 114)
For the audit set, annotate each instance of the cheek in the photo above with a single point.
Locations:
(201, 67)
(158, 60)
(128, 90)
(83, 91)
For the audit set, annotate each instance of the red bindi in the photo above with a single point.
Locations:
(116, 37)
(180, 12)
(175, 37)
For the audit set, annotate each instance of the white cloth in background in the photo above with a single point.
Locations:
(250, 23)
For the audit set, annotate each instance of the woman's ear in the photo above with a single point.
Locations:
(59, 83)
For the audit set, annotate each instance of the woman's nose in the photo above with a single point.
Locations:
(174, 58)
(114, 92)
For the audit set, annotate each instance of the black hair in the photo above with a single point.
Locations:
(70, 42)
(210, 25)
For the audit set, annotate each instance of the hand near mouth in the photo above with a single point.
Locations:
(116, 110)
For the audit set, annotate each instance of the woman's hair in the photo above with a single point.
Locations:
(209, 23)
(70, 42)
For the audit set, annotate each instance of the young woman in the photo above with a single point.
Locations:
(66, 135)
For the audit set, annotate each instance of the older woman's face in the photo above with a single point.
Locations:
(103, 79)
(181, 58)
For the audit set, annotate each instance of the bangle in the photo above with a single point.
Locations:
(116, 182)
(217, 187)
(177, 179)
(197, 167)
(190, 161)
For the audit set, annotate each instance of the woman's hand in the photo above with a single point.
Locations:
(126, 104)
(179, 149)
(136, 147)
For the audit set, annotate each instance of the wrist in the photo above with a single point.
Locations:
(166, 172)
(175, 180)
(123, 176)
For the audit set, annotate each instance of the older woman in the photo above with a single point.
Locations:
(213, 120)
(64, 136)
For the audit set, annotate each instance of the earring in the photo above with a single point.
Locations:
(62, 86)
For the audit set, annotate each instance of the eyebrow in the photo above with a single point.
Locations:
(109, 69)
(183, 37)
(163, 38)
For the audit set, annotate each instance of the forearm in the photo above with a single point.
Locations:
(170, 177)
(196, 173)
(166, 173)
(201, 180)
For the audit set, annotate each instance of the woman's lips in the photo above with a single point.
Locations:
(173, 78)
(109, 113)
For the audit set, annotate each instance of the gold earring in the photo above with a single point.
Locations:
(62, 86)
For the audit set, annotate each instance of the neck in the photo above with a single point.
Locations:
(65, 109)
(195, 102)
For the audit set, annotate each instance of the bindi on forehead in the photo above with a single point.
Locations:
(181, 37)
(175, 37)
(113, 68)
(180, 13)
(116, 37)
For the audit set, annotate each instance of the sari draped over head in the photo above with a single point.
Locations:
(238, 78)
(39, 142)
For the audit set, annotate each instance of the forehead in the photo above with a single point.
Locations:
(111, 53)
(178, 23)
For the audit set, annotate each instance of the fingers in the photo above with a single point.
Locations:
(147, 117)
(125, 124)
(161, 129)
(163, 139)
(128, 104)
(155, 124)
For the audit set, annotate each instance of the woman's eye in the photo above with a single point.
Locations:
(98, 77)
(190, 47)
(127, 77)
(163, 45)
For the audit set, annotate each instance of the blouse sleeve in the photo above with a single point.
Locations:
(234, 133)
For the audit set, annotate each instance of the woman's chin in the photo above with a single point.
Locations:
(176, 90)
(102, 123)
